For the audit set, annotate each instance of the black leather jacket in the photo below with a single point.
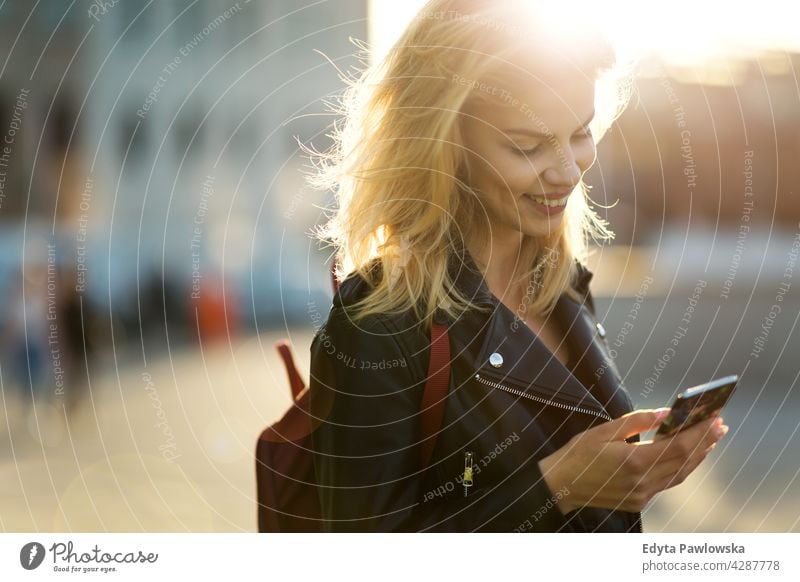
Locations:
(509, 411)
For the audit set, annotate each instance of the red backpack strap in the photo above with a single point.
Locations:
(436, 389)
(296, 382)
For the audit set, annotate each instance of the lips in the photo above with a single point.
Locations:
(549, 200)
(550, 196)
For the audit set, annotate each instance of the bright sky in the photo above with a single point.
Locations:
(683, 32)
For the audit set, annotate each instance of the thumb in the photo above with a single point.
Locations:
(632, 423)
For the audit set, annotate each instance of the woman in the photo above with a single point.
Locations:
(458, 174)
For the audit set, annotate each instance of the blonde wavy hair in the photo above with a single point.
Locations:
(398, 164)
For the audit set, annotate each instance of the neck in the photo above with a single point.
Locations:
(499, 260)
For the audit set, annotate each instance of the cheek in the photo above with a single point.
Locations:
(513, 172)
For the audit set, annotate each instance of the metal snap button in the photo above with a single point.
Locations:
(601, 330)
(496, 360)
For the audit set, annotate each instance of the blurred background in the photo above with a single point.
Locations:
(155, 244)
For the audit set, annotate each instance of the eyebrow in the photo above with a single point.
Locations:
(533, 133)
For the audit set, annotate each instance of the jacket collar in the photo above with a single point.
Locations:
(528, 364)
(467, 276)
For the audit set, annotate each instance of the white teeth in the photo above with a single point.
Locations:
(546, 202)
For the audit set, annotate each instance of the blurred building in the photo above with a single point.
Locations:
(159, 141)
(42, 79)
(194, 112)
(155, 141)
(695, 147)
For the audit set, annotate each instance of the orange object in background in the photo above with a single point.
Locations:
(214, 313)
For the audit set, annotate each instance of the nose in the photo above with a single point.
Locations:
(565, 171)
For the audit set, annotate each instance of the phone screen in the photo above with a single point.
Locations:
(697, 404)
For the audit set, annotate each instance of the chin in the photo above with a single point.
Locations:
(545, 226)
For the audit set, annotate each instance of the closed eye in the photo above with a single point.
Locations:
(529, 152)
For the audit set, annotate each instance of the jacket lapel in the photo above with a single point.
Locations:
(528, 364)
(524, 360)
(594, 369)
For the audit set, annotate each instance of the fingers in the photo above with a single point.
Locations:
(643, 470)
(675, 468)
(706, 436)
(684, 443)
(630, 424)
(678, 472)
(662, 476)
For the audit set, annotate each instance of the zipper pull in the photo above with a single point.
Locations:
(467, 480)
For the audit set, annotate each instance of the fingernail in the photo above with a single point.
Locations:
(725, 429)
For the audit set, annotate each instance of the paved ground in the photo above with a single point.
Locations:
(169, 447)
(163, 448)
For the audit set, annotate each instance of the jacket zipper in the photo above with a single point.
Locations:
(479, 378)
(467, 477)
(637, 515)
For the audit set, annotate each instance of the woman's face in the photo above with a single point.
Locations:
(528, 148)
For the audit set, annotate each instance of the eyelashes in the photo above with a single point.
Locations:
(527, 153)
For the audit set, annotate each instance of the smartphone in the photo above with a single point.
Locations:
(696, 404)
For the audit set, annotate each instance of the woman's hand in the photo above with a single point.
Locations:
(599, 469)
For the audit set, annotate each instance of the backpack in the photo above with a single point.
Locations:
(286, 486)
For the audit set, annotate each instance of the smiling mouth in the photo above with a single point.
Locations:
(551, 202)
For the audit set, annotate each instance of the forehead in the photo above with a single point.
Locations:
(558, 100)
